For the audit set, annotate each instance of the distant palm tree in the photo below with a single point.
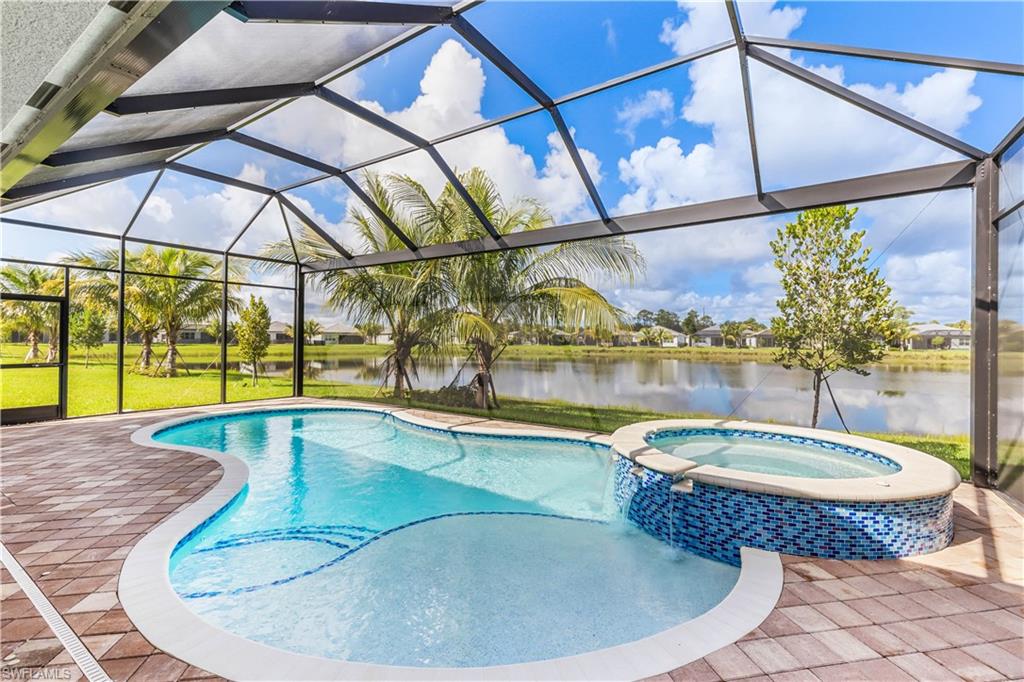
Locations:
(310, 328)
(370, 331)
(34, 318)
(652, 336)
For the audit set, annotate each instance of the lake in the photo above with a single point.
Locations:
(891, 398)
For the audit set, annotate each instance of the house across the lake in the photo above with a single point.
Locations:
(709, 336)
(279, 333)
(671, 338)
(939, 336)
(338, 333)
(758, 339)
(190, 333)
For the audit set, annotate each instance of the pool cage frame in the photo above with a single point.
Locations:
(59, 112)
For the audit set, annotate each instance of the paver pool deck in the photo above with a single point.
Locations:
(77, 495)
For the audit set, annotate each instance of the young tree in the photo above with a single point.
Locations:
(901, 332)
(87, 329)
(253, 334)
(836, 312)
(213, 329)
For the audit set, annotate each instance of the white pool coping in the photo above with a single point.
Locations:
(145, 592)
(920, 474)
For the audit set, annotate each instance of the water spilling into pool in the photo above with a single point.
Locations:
(364, 538)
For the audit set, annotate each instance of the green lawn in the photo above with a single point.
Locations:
(92, 389)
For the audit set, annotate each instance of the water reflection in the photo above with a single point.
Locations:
(898, 399)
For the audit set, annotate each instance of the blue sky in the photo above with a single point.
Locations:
(673, 138)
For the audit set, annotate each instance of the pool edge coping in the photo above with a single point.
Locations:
(149, 600)
(920, 476)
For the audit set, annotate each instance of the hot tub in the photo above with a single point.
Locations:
(712, 487)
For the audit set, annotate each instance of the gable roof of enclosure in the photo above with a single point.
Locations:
(187, 76)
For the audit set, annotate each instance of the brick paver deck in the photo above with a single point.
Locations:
(77, 495)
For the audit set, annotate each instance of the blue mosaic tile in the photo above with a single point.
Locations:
(715, 521)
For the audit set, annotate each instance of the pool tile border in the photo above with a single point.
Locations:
(150, 601)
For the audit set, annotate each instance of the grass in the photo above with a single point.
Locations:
(954, 450)
(209, 352)
(929, 359)
(92, 389)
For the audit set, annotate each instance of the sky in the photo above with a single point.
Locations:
(674, 138)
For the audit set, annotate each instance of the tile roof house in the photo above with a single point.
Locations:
(924, 336)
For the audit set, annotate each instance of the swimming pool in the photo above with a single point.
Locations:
(768, 453)
(364, 538)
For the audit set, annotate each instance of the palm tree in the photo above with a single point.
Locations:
(99, 290)
(181, 287)
(370, 331)
(34, 318)
(310, 328)
(491, 294)
(652, 336)
(407, 297)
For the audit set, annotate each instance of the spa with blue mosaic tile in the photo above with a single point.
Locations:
(713, 512)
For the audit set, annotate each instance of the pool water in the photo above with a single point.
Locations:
(747, 451)
(364, 538)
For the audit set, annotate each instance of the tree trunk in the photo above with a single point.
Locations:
(399, 377)
(255, 374)
(817, 398)
(171, 359)
(146, 357)
(484, 353)
(33, 346)
(51, 350)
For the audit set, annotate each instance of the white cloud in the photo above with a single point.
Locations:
(106, 208)
(159, 209)
(804, 135)
(653, 104)
(611, 39)
(451, 90)
(933, 285)
(183, 211)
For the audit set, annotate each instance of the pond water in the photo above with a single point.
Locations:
(895, 399)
